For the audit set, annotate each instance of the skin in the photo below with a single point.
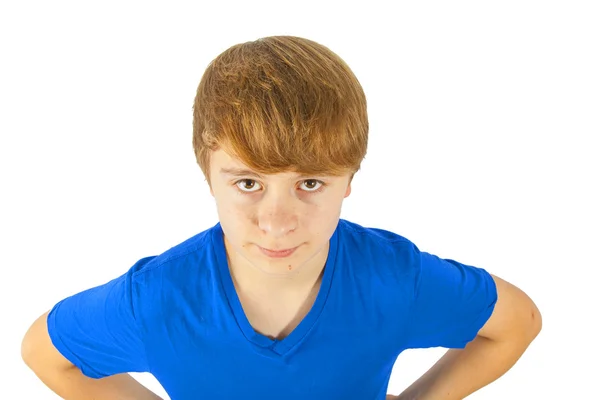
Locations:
(276, 212)
(280, 212)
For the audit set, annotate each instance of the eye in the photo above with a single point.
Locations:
(243, 187)
(313, 186)
(316, 186)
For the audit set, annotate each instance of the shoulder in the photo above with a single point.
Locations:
(378, 243)
(379, 254)
(174, 262)
(161, 281)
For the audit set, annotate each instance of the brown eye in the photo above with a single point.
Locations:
(246, 185)
(313, 185)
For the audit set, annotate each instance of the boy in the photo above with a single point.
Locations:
(282, 299)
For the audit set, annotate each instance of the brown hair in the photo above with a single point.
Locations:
(281, 104)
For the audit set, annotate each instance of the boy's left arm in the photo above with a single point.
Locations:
(513, 325)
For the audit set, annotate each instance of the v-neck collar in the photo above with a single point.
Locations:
(265, 345)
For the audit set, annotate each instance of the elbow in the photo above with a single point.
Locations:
(536, 321)
(27, 348)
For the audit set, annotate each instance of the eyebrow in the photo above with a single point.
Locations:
(246, 172)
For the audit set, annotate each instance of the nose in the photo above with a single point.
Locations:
(278, 217)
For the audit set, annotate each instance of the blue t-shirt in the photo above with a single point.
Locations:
(178, 317)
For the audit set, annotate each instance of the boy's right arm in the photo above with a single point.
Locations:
(65, 379)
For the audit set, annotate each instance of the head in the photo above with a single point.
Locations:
(280, 128)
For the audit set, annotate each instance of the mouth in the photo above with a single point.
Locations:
(278, 253)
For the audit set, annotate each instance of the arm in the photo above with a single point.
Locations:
(513, 325)
(65, 379)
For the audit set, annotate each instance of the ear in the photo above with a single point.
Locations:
(349, 188)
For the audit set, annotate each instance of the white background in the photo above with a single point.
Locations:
(484, 124)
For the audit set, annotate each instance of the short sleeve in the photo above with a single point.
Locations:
(452, 302)
(97, 330)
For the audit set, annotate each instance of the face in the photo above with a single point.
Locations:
(275, 212)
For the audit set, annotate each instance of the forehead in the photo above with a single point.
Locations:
(222, 158)
(225, 165)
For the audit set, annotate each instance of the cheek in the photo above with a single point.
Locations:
(330, 216)
(237, 216)
(320, 218)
